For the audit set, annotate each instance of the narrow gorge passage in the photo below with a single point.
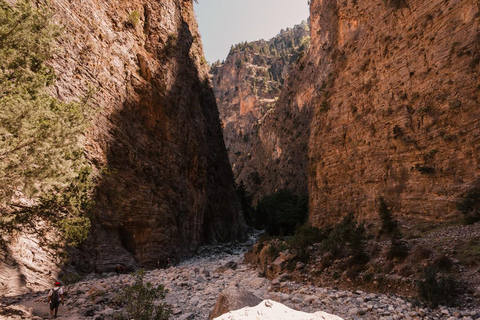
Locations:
(194, 287)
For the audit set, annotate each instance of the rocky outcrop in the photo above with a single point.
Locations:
(247, 87)
(163, 182)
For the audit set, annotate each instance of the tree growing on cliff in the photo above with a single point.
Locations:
(42, 164)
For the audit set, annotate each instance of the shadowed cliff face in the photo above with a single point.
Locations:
(163, 182)
(167, 186)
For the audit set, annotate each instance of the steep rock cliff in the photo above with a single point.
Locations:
(384, 103)
(399, 112)
(247, 87)
(163, 182)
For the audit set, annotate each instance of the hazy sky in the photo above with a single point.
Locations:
(226, 22)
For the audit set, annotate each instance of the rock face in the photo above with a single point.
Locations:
(164, 184)
(399, 117)
(164, 181)
(384, 103)
(247, 87)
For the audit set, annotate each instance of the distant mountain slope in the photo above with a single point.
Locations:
(247, 86)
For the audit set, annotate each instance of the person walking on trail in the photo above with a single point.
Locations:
(55, 296)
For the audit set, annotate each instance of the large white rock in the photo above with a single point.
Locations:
(271, 310)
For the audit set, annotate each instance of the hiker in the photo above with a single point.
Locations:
(55, 296)
(118, 268)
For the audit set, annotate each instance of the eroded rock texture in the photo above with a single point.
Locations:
(164, 184)
(247, 87)
(399, 114)
(384, 103)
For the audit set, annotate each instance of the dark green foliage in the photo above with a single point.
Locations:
(70, 278)
(436, 288)
(347, 238)
(398, 249)
(281, 212)
(246, 202)
(470, 205)
(443, 263)
(389, 224)
(274, 249)
(67, 210)
(304, 237)
(138, 301)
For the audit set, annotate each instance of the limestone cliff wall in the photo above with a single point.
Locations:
(247, 87)
(164, 184)
(399, 113)
(384, 103)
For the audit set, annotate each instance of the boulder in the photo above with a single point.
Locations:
(233, 298)
(231, 265)
(271, 310)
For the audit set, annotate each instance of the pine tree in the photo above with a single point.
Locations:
(41, 153)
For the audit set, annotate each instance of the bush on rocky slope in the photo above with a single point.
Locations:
(280, 213)
(138, 300)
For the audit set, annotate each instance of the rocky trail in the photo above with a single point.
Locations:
(194, 286)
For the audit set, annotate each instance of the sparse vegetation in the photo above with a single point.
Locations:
(470, 205)
(347, 238)
(133, 19)
(281, 212)
(138, 300)
(389, 224)
(436, 288)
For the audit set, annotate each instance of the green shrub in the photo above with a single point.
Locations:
(398, 250)
(70, 278)
(281, 212)
(435, 288)
(347, 238)
(138, 300)
(389, 224)
(443, 263)
(470, 205)
(274, 249)
(306, 236)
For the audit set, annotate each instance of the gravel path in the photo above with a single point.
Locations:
(194, 286)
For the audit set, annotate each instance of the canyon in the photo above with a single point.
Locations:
(367, 100)
(384, 103)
